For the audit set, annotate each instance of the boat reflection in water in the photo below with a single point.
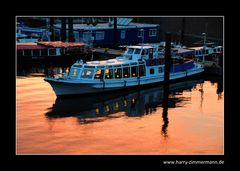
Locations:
(89, 109)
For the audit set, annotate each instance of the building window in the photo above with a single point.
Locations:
(52, 52)
(87, 36)
(27, 52)
(140, 33)
(100, 35)
(36, 52)
(152, 71)
(123, 33)
(19, 52)
(44, 52)
(152, 32)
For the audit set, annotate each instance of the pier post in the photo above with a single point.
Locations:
(70, 30)
(63, 29)
(166, 84)
(167, 58)
(115, 32)
(51, 29)
(182, 31)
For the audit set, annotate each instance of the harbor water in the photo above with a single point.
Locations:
(134, 122)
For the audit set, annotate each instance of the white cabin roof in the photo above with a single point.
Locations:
(117, 61)
(198, 48)
(140, 47)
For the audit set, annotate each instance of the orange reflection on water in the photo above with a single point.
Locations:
(196, 127)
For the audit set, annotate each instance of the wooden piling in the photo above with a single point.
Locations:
(63, 29)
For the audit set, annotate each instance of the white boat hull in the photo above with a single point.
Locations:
(64, 87)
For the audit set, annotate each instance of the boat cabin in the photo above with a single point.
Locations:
(206, 53)
(135, 62)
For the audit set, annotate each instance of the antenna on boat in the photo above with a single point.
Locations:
(204, 46)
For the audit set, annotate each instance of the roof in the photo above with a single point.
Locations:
(100, 26)
(117, 61)
(182, 50)
(140, 47)
(57, 44)
(123, 21)
(44, 45)
(199, 48)
(29, 45)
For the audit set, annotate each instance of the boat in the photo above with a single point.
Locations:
(138, 66)
(31, 34)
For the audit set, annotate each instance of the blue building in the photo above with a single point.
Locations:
(102, 34)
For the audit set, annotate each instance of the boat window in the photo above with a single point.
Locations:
(206, 51)
(109, 66)
(130, 50)
(76, 65)
(145, 52)
(52, 52)
(134, 71)
(44, 52)
(152, 71)
(126, 72)
(99, 74)
(118, 73)
(86, 66)
(142, 70)
(134, 63)
(100, 66)
(160, 69)
(74, 72)
(87, 73)
(137, 51)
(109, 74)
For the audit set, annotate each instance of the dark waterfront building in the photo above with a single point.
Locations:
(102, 34)
(99, 31)
(191, 27)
